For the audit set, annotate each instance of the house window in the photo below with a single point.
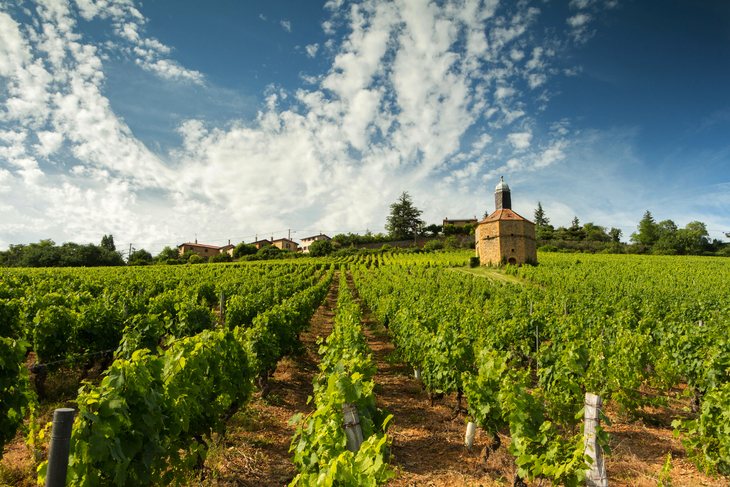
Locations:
(206, 250)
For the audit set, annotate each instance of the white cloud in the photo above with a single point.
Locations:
(333, 4)
(555, 152)
(312, 49)
(328, 27)
(262, 16)
(520, 140)
(310, 80)
(560, 127)
(129, 32)
(482, 141)
(171, 70)
(504, 92)
(50, 142)
(511, 115)
(581, 4)
(578, 20)
(579, 27)
(286, 25)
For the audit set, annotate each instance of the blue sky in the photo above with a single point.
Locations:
(161, 121)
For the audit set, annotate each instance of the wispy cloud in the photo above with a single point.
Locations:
(286, 25)
(312, 49)
(579, 27)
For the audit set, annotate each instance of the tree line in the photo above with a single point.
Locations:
(47, 254)
(663, 238)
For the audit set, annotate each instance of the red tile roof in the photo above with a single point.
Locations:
(199, 245)
(320, 235)
(504, 215)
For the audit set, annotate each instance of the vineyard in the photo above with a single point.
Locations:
(172, 369)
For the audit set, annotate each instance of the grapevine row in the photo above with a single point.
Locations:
(320, 444)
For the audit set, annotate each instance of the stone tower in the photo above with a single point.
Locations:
(504, 236)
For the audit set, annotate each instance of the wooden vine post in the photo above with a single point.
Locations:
(63, 422)
(471, 429)
(353, 431)
(596, 475)
(223, 307)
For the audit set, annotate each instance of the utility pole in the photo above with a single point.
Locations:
(130, 253)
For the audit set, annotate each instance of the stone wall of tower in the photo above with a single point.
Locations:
(487, 246)
(511, 240)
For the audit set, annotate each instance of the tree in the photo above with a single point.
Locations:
(404, 218)
(546, 232)
(595, 233)
(167, 254)
(540, 219)
(648, 230)
(107, 242)
(433, 229)
(449, 229)
(269, 252)
(615, 234)
(666, 237)
(321, 248)
(244, 249)
(693, 238)
(575, 223)
(434, 245)
(220, 258)
(140, 257)
(451, 243)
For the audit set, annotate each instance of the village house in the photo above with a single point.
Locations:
(200, 249)
(460, 223)
(259, 244)
(285, 244)
(228, 249)
(307, 242)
